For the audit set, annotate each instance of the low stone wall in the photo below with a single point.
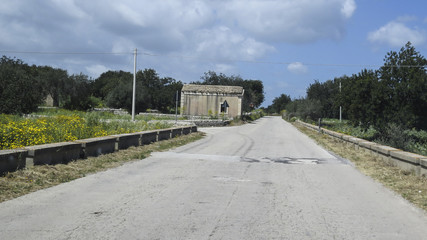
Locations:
(149, 137)
(164, 134)
(93, 147)
(54, 153)
(127, 140)
(404, 160)
(11, 160)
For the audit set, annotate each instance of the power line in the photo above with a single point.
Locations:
(197, 58)
(65, 53)
(286, 63)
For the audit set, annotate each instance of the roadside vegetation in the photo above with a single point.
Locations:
(393, 135)
(387, 105)
(50, 126)
(405, 183)
(28, 180)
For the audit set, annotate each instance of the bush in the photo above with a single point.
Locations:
(394, 135)
(252, 116)
(293, 119)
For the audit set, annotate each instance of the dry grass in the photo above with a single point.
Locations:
(407, 184)
(24, 181)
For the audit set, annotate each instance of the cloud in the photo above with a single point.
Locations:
(348, 8)
(212, 33)
(96, 70)
(397, 34)
(289, 21)
(169, 25)
(297, 68)
(223, 44)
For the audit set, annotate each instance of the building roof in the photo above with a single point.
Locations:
(212, 89)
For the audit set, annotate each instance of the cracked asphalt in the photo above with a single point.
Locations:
(264, 180)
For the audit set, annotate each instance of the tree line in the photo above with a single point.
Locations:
(23, 88)
(396, 93)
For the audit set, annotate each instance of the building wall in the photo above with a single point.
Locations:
(203, 104)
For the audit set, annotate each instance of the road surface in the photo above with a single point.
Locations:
(263, 180)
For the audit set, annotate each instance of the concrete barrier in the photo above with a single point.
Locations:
(93, 147)
(176, 132)
(404, 160)
(52, 153)
(164, 134)
(124, 141)
(148, 137)
(186, 130)
(12, 160)
(423, 166)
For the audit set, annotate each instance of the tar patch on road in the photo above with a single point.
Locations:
(286, 160)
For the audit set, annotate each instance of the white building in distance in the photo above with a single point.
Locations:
(214, 100)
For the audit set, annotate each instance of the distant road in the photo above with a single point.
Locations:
(264, 180)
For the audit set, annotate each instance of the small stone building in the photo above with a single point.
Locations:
(205, 100)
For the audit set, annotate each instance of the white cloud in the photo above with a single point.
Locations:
(289, 21)
(397, 34)
(297, 68)
(214, 34)
(348, 8)
(223, 44)
(225, 68)
(96, 70)
(173, 25)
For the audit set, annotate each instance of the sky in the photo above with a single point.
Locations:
(287, 44)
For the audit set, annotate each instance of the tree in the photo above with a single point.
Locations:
(152, 92)
(54, 83)
(304, 108)
(279, 103)
(20, 91)
(77, 93)
(109, 81)
(404, 88)
(325, 93)
(121, 97)
(254, 94)
(358, 98)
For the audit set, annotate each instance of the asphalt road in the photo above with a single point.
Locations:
(264, 180)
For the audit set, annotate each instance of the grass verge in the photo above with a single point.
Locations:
(407, 184)
(24, 181)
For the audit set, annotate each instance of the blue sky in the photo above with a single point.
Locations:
(285, 43)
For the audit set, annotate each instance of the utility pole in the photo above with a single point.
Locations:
(134, 84)
(176, 107)
(340, 105)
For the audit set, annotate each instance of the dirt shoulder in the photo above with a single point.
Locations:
(411, 187)
(24, 181)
